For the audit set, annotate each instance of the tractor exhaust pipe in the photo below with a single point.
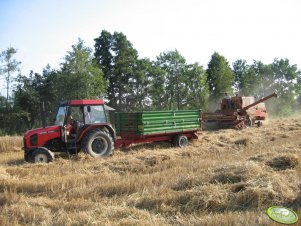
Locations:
(43, 116)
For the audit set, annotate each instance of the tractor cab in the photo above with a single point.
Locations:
(79, 125)
(77, 115)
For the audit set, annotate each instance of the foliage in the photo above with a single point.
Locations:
(197, 87)
(8, 67)
(115, 72)
(178, 85)
(247, 81)
(220, 77)
(173, 66)
(80, 73)
(117, 58)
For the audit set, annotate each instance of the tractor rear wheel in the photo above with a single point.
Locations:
(180, 141)
(98, 143)
(42, 155)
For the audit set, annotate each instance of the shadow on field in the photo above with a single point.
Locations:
(16, 162)
(149, 146)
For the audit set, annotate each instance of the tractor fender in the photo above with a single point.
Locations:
(107, 127)
(111, 131)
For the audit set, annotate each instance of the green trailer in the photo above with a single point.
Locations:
(148, 126)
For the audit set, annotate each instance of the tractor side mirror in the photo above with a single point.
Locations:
(89, 108)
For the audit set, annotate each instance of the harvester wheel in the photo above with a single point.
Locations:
(249, 122)
(98, 143)
(42, 155)
(259, 123)
(180, 141)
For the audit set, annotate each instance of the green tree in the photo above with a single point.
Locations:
(285, 78)
(103, 56)
(197, 93)
(282, 78)
(140, 84)
(117, 58)
(178, 85)
(37, 95)
(157, 89)
(173, 64)
(8, 67)
(27, 98)
(247, 81)
(298, 93)
(79, 76)
(220, 78)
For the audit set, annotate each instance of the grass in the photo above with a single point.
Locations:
(227, 177)
(10, 144)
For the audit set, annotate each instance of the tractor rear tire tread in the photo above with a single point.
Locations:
(91, 136)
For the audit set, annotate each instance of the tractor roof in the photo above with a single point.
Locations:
(82, 102)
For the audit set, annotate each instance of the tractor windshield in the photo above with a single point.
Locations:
(88, 114)
(60, 116)
(97, 114)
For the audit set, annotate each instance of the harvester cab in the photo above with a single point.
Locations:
(79, 125)
(236, 102)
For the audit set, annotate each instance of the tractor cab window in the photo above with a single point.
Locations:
(96, 114)
(60, 116)
(76, 114)
(88, 114)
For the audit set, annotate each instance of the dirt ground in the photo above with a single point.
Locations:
(226, 177)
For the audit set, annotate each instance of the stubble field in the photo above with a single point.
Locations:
(227, 177)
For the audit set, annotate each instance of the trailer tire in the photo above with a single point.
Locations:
(180, 141)
(42, 155)
(98, 143)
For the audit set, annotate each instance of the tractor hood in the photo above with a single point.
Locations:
(46, 130)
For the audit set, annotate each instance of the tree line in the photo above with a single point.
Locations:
(114, 71)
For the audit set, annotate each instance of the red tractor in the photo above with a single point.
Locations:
(79, 125)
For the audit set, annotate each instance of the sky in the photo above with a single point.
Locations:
(44, 30)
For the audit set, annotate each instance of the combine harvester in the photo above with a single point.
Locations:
(237, 112)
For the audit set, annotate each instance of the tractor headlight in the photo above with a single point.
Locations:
(34, 139)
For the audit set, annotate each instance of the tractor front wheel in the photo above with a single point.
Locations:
(42, 155)
(98, 143)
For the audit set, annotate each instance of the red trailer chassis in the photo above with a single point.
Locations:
(126, 142)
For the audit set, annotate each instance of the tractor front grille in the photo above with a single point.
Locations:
(34, 139)
(24, 143)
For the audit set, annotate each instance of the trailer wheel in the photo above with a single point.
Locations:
(98, 143)
(180, 141)
(42, 155)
